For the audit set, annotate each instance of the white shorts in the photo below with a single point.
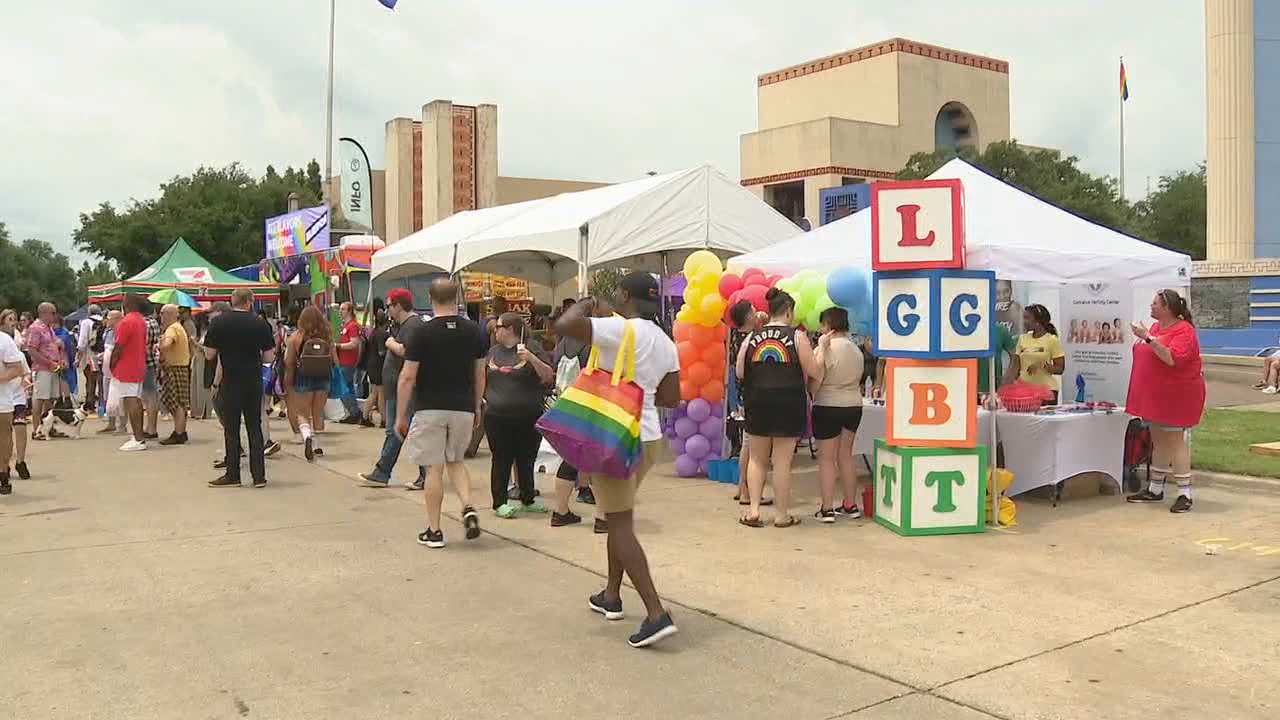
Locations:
(437, 437)
(123, 390)
(46, 385)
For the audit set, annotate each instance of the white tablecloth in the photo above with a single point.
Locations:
(1038, 449)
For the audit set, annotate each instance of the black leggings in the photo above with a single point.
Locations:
(512, 441)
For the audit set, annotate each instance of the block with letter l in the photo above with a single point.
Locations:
(934, 313)
(931, 403)
(917, 224)
(930, 491)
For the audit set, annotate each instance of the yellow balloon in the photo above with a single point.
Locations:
(701, 261)
(712, 307)
(707, 282)
(691, 295)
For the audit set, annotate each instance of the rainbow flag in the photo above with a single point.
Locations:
(1124, 83)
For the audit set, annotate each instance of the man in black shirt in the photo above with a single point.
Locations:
(440, 388)
(241, 342)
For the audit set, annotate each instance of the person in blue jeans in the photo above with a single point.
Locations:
(403, 321)
(349, 341)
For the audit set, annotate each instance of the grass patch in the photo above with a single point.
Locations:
(1221, 442)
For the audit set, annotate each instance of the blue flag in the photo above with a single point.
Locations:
(391, 4)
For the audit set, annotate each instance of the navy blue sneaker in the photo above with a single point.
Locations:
(651, 632)
(610, 610)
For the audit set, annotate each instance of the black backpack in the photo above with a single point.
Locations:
(97, 337)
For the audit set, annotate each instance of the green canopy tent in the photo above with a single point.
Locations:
(182, 268)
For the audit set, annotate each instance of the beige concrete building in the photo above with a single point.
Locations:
(447, 162)
(859, 115)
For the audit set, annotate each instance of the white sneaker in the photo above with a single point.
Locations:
(133, 446)
(1270, 390)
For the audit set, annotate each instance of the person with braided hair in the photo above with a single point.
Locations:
(1167, 390)
(1039, 358)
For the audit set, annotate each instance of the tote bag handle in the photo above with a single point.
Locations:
(624, 363)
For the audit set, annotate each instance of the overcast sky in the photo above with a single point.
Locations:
(104, 99)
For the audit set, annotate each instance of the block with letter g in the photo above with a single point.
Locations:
(934, 313)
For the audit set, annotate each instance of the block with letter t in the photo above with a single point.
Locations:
(934, 313)
(930, 490)
(917, 224)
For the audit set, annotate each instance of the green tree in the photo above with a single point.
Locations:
(219, 211)
(605, 282)
(1175, 215)
(99, 273)
(32, 273)
(1044, 173)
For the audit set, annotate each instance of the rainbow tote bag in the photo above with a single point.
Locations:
(595, 424)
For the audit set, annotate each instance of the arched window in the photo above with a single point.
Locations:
(955, 127)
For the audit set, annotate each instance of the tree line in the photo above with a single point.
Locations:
(220, 212)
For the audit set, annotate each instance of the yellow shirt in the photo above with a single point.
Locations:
(178, 354)
(1038, 351)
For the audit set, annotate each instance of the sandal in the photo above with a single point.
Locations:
(755, 522)
(764, 502)
(791, 521)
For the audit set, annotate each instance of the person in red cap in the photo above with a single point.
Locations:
(403, 322)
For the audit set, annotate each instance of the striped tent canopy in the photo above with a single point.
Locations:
(182, 268)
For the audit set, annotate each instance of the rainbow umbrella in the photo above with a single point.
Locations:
(173, 296)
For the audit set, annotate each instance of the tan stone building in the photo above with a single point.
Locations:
(859, 115)
(447, 162)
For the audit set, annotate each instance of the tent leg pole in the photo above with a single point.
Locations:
(662, 287)
(991, 462)
(582, 260)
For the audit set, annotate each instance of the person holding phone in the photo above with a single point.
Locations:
(516, 382)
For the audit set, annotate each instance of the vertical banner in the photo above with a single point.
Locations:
(1096, 335)
(295, 233)
(357, 183)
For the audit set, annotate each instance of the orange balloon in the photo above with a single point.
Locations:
(688, 391)
(713, 392)
(688, 353)
(700, 335)
(722, 332)
(699, 374)
(680, 330)
(713, 354)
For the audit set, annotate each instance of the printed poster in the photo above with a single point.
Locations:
(1098, 341)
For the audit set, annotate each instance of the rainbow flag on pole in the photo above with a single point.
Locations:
(1124, 83)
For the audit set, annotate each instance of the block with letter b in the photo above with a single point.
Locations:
(934, 313)
(931, 403)
(917, 224)
(930, 491)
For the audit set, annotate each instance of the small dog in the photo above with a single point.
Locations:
(68, 417)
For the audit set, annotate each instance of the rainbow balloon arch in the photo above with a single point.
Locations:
(696, 428)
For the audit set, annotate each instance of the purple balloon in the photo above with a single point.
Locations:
(717, 444)
(685, 427)
(686, 466)
(699, 410)
(697, 447)
(717, 410)
(677, 445)
(711, 427)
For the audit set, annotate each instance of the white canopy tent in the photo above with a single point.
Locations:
(1014, 233)
(645, 224)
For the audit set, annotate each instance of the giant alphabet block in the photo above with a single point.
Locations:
(934, 313)
(931, 403)
(930, 491)
(917, 224)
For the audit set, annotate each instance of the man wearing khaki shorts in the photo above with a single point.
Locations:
(657, 368)
(440, 388)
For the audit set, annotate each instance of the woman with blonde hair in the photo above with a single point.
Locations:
(309, 358)
(17, 389)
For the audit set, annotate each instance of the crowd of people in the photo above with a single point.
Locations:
(439, 381)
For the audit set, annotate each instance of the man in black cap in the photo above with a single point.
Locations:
(657, 368)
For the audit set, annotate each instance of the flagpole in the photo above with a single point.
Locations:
(1121, 131)
(328, 115)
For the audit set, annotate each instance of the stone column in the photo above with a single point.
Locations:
(437, 161)
(1230, 129)
(398, 191)
(486, 156)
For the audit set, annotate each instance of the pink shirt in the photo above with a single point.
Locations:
(1171, 395)
(45, 349)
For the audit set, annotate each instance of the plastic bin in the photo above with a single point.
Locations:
(725, 471)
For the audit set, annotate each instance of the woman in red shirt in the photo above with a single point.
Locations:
(1166, 388)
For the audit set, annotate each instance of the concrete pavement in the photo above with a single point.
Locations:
(134, 591)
